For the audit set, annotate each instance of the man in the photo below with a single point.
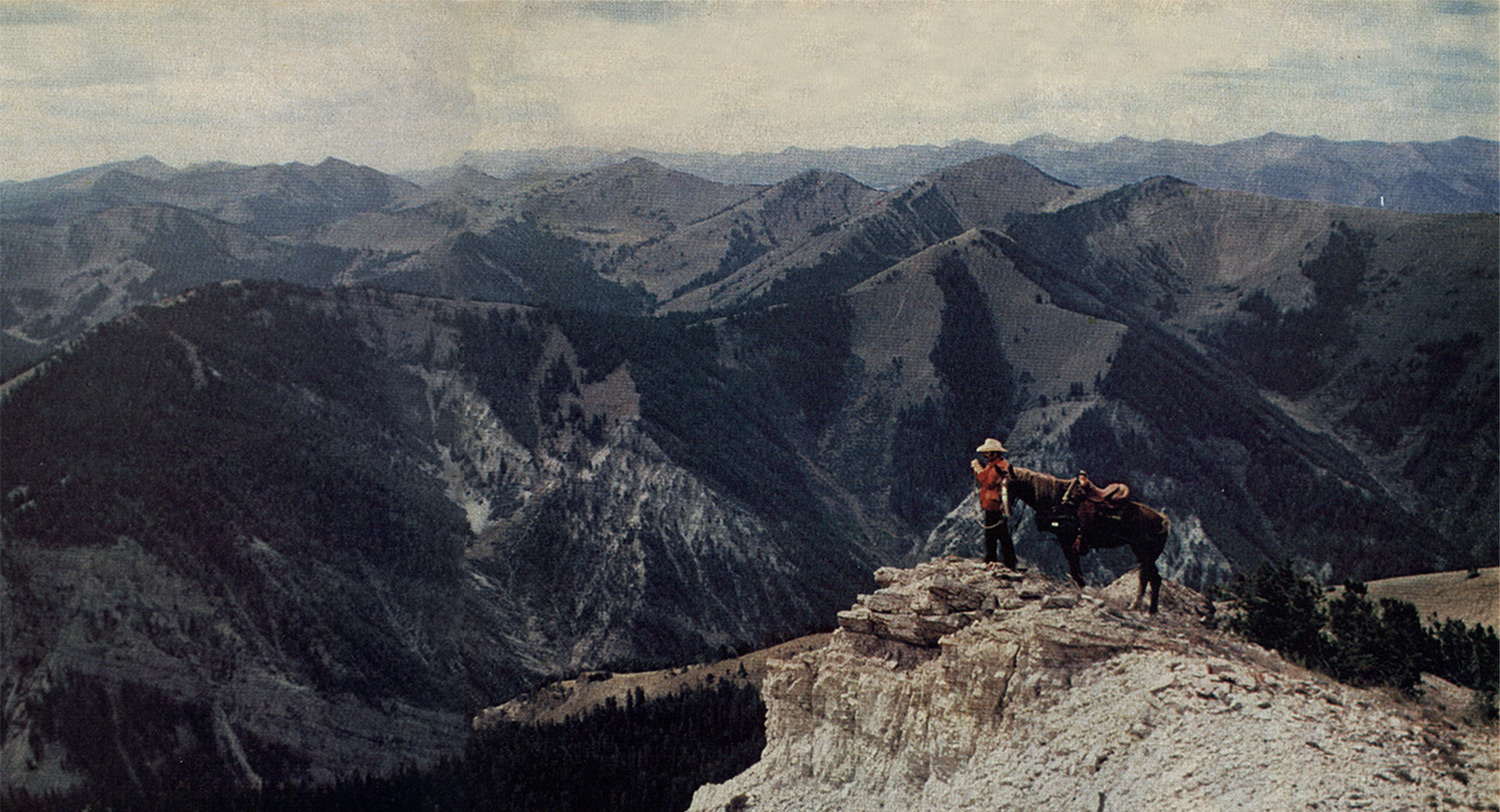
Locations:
(994, 501)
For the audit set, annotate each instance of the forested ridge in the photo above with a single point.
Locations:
(1360, 641)
(641, 756)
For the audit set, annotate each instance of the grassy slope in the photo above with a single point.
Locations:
(556, 701)
(1446, 594)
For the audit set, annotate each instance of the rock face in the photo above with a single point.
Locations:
(961, 686)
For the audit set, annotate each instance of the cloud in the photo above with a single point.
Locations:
(26, 14)
(644, 12)
(244, 82)
(766, 75)
(407, 85)
(1467, 7)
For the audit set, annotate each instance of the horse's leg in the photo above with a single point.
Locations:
(1155, 586)
(1075, 568)
(1150, 576)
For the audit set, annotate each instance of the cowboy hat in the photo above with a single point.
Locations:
(991, 444)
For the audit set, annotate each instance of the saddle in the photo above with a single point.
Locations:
(1107, 496)
(1111, 493)
(1095, 501)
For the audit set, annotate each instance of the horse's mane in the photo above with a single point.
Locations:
(1041, 491)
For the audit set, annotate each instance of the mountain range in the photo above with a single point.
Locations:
(1462, 174)
(304, 464)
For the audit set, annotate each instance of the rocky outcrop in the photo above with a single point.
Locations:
(959, 685)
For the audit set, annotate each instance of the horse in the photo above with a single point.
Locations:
(1109, 521)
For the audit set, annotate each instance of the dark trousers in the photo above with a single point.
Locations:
(997, 531)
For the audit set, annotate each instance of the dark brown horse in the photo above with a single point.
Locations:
(1108, 524)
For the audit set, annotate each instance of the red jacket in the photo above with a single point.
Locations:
(991, 479)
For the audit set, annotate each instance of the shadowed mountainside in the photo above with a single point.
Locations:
(61, 279)
(258, 507)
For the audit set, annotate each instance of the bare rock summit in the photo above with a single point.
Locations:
(963, 686)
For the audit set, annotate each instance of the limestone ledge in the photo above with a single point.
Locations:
(958, 685)
(921, 606)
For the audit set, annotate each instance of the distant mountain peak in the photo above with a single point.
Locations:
(1157, 186)
(147, 166)
(121, 177)
(1276, 139)
(635, 166)
(1162, 182)
(1000, 165)
(204, 167)
(468, 174)
(998, 159)
(1049, 141)
(819, 176)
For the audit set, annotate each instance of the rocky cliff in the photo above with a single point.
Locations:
(959, 686)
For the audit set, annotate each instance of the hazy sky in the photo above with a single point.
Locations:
(410, 85)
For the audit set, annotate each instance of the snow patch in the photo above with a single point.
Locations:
(477, 511)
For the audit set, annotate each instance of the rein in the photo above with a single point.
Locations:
(1004, 501)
